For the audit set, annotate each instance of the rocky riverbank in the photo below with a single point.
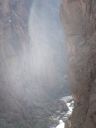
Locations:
(64, 108)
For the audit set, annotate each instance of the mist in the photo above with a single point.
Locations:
(49, 54)
(33, 60)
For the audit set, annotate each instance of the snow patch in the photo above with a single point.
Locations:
(61, 124)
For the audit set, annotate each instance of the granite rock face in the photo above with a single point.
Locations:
(79, 21)
(13, 40)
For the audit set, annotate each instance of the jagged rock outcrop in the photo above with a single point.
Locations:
(79, 20)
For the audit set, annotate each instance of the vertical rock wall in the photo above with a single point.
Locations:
(13, 43)
(78, 18)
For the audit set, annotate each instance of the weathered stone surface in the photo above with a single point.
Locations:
(78, 17)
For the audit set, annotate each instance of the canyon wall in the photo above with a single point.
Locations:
(79, 21)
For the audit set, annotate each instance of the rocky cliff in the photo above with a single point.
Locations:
(13, 43)
(79, 21)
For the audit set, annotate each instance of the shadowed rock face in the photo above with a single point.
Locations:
(13, 43)
(78, 18)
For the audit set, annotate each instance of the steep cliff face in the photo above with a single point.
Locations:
(78, 18)
(13, 43)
